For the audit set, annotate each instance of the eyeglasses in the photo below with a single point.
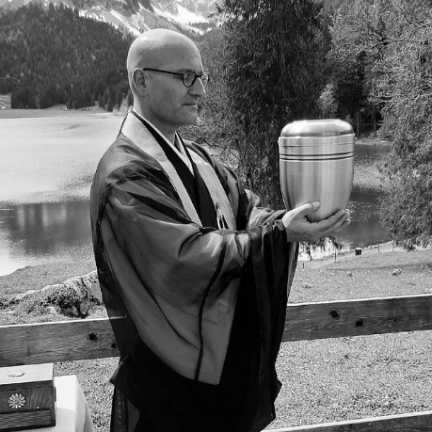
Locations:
(188, 77)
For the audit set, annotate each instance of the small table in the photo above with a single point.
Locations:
(72, 411)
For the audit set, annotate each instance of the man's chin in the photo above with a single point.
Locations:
(190, 119)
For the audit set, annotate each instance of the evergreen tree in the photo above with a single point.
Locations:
(404, 87)
(59, 57)
(274, 72)
(358, 40)
(382, 55)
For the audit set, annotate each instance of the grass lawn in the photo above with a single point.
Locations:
(324, 380)
(357, 377)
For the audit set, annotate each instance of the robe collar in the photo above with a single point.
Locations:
(178, 147)
(133, 129)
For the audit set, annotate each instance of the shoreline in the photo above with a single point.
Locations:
(49, 112)
(56, 111)
(83, 257)
(348, 258)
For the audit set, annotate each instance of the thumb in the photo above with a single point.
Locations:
(307, 208)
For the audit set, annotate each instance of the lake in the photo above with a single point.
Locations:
(46, 167)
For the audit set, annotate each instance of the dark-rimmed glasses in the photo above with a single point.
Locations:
(188, 77)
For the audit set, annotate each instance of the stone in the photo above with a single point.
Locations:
(74, 297)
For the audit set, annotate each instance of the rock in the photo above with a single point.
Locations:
(52, 310)
(70, 311)
(74, 297)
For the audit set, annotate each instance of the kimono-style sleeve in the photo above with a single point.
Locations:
(174, 276)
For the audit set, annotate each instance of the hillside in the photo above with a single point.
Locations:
(54, 56)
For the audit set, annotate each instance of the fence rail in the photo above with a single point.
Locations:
(412, 422)
(93, 338)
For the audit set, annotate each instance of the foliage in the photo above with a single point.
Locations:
(381, 55)
(273, 69)
(327, 102)
(358, 35)
(216, 128)
(216, 109)
(404, 85)
(54, 56)
(333, 5)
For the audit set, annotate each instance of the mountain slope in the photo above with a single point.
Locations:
(53, 56)
(136, 16)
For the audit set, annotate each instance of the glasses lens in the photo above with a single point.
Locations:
(205, 79)
(189, 78)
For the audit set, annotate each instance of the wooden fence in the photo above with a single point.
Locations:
(93, 338)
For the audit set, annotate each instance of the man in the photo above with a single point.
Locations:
(184, 253)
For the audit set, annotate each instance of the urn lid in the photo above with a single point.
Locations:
(317, 128)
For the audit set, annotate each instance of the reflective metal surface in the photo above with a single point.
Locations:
(316, 163)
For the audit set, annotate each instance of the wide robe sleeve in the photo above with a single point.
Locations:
(167, 269)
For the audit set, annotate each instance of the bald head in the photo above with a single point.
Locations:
(157, 62)
(155, 48)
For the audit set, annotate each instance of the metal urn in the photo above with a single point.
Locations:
(316, 163)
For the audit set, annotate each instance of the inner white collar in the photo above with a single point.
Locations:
(157, 130)
(182, 155)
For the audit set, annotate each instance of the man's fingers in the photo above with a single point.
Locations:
(327, 226)
(299, 229)
(334, 223)
(306, 209)
(332, 220)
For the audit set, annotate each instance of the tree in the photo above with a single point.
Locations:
(274, 59)
(359, 37)
(390, 43)
(404, 86)
(217, 128)
(118, 97)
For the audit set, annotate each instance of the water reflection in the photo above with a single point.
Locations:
(31, 231)
(364, 233)
(43, 228)
(369, 153)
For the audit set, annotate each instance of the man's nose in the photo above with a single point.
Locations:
(198, 88)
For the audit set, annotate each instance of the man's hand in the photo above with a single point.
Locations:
(299, 229)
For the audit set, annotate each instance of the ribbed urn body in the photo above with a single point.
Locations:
(316, 163)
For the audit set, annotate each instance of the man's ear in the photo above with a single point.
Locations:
(139, 82)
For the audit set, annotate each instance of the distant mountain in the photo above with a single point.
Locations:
(191, 17)
(188, 16)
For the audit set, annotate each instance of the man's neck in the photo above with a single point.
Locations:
(170, 136)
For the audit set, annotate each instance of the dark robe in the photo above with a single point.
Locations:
(204, 305)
